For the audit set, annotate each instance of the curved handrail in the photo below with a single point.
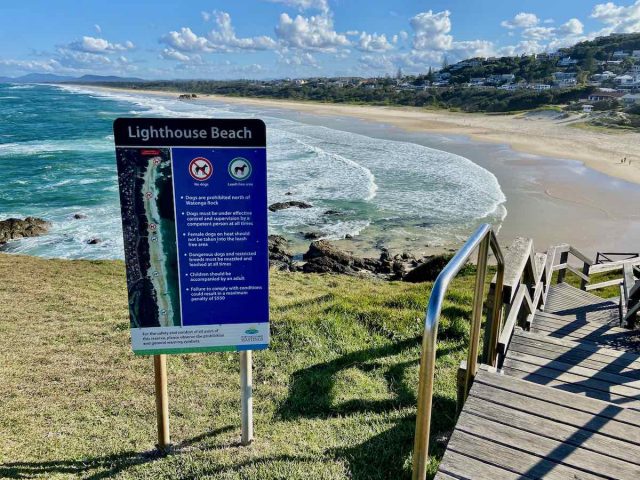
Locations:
(482, 238)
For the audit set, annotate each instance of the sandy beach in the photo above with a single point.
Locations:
(535, 134)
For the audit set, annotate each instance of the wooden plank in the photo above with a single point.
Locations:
(563, 414)
(610, 266)
(573, 358)
(519, 461)
(578, 273)
(580, 459)
(610, 382)
(511, 321)
(571, 324)
(560, 266)
(609, 283)
(455, 465)
(570, 382)
(563, 430)
(616, 356)
(519, 253)
(628, 282)
(580, 256)
(557, 397)
(551, 350)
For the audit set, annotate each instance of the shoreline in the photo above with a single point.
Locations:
(568, 139)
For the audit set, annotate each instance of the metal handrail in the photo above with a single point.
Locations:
(482, 238)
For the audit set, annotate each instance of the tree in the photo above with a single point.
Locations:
(445, 62)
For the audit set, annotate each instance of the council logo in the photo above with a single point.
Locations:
(252, 331)
(240, 169)
(200, 169)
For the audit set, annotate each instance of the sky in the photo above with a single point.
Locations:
(263, 39)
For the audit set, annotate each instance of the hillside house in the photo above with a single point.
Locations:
(620, 54)
(587, 108)
(604, 95)
(539, 87)
(631, 99)
(567, 62)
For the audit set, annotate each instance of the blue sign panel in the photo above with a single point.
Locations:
(194, 210)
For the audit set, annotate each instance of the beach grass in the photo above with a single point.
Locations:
(334, 398)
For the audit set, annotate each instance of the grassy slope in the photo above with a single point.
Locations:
(334, 397)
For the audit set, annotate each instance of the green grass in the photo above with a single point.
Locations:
(335, 395)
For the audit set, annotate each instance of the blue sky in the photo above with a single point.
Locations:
(288, 38)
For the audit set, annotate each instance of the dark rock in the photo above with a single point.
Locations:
(79, 216)
(325, 265)
(385, 256)
(311, 235)
(323, 248)
(284, 205)
(348, 236)
(94, 241)
(280, 257)
(15, 228)
(429, 270)
(288, 193)
(332, 212)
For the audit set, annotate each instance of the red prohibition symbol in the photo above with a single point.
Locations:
(200, 169)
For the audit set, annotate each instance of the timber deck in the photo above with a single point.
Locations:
(564, 403)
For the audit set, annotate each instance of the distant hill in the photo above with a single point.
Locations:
(51, 78)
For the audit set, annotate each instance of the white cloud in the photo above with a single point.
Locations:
(225, 39)
(521, 20)
(572, 27)
(373, 42)
(314, 33)
(431, 30)
(206, 16)
(171, 54)
(46, 66)
(618, 19)
(98, 28)
(222, 39)
(539, 33)
(298, 59)
(186, 41)
(99, 45)
(302, 5)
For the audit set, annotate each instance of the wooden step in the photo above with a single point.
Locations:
(568, 301)
(514, 429)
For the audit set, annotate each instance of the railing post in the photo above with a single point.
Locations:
(491, 349)
(425, 399)
(564, 258)
(476, 316)
(585, 270)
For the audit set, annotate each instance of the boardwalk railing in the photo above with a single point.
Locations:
(629, 267)
(482, 239)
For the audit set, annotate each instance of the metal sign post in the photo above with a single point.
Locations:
(246, 385)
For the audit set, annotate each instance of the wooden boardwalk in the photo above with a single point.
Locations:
(564, 404)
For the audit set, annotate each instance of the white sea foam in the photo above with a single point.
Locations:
(389, 188)
(46, 146)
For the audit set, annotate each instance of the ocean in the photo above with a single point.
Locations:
(57, 160)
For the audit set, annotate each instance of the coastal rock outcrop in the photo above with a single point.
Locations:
(280, 256)
(284, 205)
(15, 228)
(428, 270)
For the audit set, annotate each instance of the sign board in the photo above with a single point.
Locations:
(193, 195)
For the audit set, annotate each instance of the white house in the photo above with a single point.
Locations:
(635, 54)
(509, 86)
(567, 62)
(539, 87)
(606, 75)
(587, 108)
(620, 54)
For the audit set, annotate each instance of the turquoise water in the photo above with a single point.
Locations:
(57, 160)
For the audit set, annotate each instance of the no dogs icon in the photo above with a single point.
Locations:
(200, 169)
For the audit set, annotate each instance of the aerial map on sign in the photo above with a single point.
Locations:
(150, 236)
(193, 199)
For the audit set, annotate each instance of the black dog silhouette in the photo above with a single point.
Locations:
(240, 169)
(201, 169)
